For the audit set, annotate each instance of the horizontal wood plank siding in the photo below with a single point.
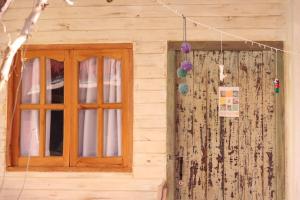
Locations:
(148, 27)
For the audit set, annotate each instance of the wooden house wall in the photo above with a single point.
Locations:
(149, 27)
(292, 106)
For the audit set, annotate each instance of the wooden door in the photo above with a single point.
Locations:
(218, 158)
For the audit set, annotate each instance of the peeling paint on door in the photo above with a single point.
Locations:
(227, 158)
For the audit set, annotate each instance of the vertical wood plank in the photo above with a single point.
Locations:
(244, 129)
(171, 117)
(256, 108)
(180, 107)
(199, 168)
(184, 134)
(191, 157)
(230, 132)
(280, 139)
(269, 110)
(251, 138)
(189, 162)
(215, 153)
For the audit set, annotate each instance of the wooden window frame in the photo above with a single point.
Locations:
(70, 161)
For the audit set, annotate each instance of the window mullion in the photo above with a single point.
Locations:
(42, 103)
(73, 70)
(67, 107)
(100, 110)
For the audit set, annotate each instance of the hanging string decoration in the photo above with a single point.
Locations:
(276, 85)
(221, 64)
(276, 81)
(185, 65)
(185, 47)
(221, 71)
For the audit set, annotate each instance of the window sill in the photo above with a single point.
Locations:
(70, 169)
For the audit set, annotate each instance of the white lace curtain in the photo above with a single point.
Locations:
(112, 117)
(29, 141)
(88, 121)
(88, 126)
(112, 122)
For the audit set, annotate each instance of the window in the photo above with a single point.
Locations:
(74, 108)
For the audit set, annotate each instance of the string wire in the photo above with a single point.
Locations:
(9, 130)
(221, 42)
(222, 62)
(184, 28)
(30, 144)
(11, 123)
(184, 20)
(246, 40)
(184, 32)
(276, 67)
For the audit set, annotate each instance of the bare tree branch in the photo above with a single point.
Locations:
(70, 2)
(21, 39)
(12, 48)
(4, 4)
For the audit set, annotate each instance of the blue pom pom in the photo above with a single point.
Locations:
(181, 73)
(183, 88)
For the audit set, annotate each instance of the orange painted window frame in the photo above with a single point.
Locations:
(70, 161)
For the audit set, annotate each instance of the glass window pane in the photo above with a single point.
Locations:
(55, 81)
(112, 130)
(31, 82)
(29, 138)
(111, 80)
(87, 133)
(54, 133)
(88, 80)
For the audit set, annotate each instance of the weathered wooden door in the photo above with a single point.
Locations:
(220, 158)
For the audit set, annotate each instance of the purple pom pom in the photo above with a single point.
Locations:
(186, 65)
(186, 47)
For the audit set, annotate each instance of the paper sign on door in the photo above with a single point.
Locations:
(229, 105)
